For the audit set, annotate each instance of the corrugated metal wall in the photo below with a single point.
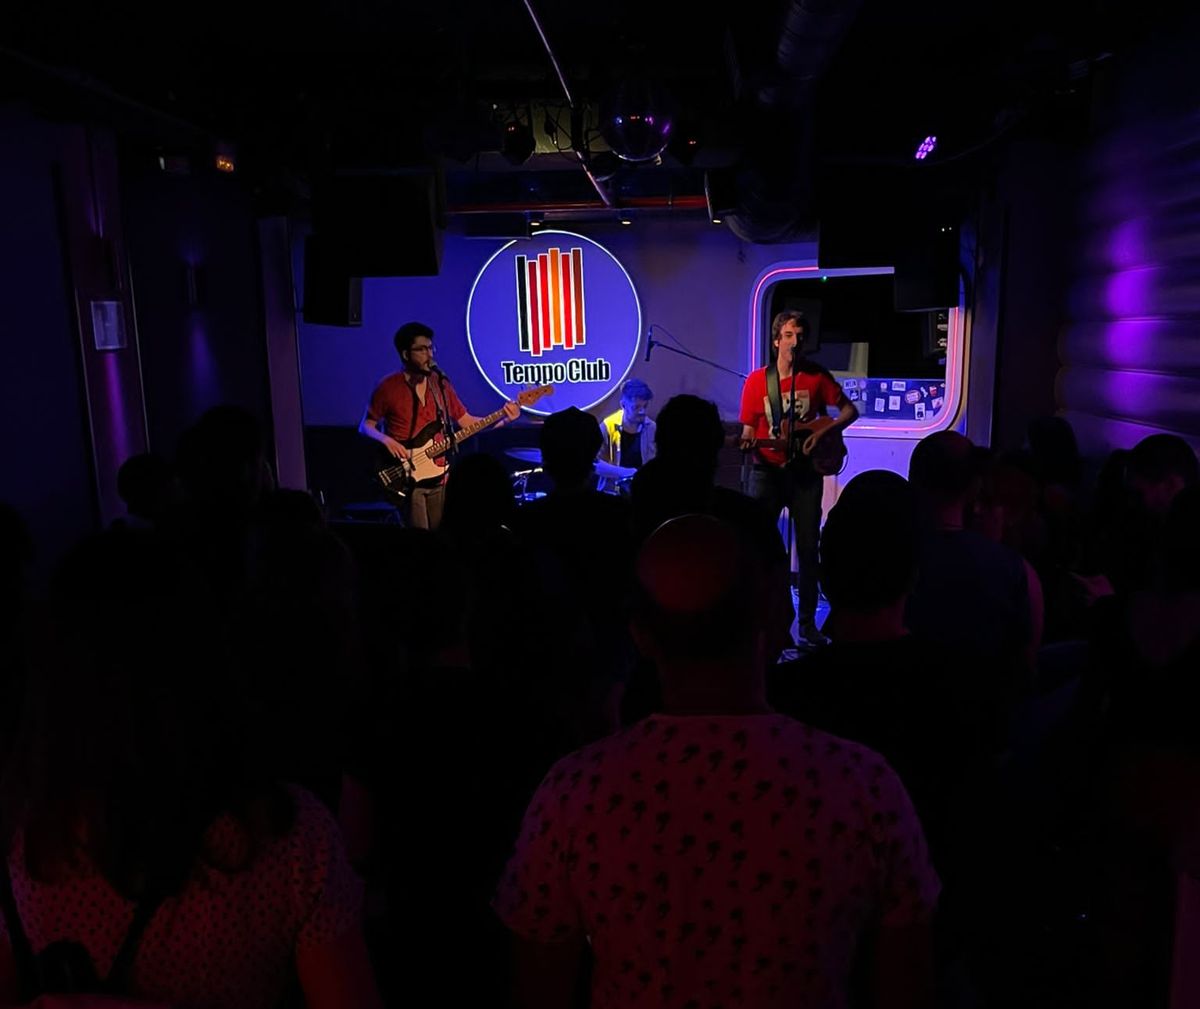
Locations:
(1130, 350)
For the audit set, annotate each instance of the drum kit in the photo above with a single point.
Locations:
(531, 484)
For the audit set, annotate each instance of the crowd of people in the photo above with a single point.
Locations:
(547, 755)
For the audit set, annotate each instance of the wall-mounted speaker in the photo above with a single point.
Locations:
(383, 224)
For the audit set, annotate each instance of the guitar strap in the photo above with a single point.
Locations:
(416, 406)
(775, 398)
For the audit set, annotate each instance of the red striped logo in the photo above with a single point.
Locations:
(550, 301)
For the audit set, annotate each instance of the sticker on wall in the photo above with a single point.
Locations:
(558, 310)
(919, 411)
(880, 403)
(893, 402)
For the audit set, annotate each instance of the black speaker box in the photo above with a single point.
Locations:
(927, 271)
(385, 224)
(332, 297)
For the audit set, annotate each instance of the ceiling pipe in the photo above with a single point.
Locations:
(775, 184)
(812, 32)
(576, 112)
(632, 203)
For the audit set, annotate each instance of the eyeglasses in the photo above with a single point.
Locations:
(417, 348)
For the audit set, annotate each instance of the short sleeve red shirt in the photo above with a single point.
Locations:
(396, 403)
(815, 394)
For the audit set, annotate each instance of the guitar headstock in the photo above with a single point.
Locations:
(531, 396)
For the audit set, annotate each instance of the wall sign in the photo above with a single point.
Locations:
(558, 309)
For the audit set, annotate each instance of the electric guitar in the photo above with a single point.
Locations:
(428, 444)
(827, 458)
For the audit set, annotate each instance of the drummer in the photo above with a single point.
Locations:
(629, 432)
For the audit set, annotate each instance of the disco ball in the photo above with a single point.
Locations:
(635, 120)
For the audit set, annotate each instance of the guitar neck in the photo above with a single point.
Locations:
(463, 433)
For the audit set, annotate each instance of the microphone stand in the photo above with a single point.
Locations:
(444, 416)
(651, 343)
(790, 456)
(695, 357)
(791, 442)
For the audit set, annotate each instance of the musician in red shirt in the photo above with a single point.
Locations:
(407, 401)
(806, 391)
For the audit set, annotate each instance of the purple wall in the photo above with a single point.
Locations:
(45, 455)
(692, 277)
(1130, 351)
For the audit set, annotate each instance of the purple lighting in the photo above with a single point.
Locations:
(926, 148)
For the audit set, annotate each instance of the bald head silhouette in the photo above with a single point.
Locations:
(699, 595)
(945, 466)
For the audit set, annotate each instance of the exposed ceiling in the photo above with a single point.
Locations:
(789, 98)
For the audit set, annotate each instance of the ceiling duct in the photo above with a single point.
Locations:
(775, 181)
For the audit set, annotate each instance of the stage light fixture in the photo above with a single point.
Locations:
(518, 144)
(685, 142)
(926, 147)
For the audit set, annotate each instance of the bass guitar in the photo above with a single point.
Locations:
(430, 444)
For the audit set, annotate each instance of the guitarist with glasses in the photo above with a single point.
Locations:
(406, 403)
(796, 443)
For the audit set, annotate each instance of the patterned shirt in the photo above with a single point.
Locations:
(230, 939)
(718, 860)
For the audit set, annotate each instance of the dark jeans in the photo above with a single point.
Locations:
(801, 494)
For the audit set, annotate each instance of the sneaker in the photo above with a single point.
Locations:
(810, 634)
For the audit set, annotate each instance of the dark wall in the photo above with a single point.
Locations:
(1130, 350)
(1032, 228)
(194, 355)
(45, 450)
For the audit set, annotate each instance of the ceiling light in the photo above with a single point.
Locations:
(926, 148)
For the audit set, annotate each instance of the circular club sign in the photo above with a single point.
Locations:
(556, 310)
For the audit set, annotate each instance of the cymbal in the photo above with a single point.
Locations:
(533, 455)
(603, 469)
(611, 472)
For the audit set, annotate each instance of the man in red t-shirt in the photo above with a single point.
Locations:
(407, 401)
(773, 479)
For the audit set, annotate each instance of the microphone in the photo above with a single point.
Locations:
(649, 346)
(436, 370)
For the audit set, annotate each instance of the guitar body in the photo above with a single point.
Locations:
(827, 459)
